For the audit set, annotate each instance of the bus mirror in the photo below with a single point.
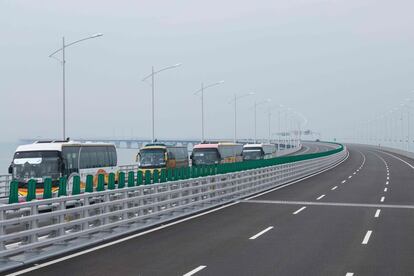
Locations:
(10, 169)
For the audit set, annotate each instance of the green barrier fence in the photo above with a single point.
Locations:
(161, 176)
(47, 188)
(62, 187)
(76, 185)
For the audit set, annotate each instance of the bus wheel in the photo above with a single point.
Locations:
(69, 185)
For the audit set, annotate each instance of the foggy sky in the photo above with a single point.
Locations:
(337, 62)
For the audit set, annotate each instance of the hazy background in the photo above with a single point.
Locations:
(334, 61)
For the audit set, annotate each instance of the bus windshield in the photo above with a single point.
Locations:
(36, 164)
(253, 154)
(205, 157)
(152, 158)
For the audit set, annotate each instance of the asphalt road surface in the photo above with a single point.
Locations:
(355, 219)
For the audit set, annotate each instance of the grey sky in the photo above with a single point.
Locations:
(334, 61)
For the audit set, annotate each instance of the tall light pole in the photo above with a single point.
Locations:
(153, 73)
(235, 99)
(63, 62)
(256, 104)
(201, 91)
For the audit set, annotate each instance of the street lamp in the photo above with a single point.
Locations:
(235, 99)
(255, 116)
(153, 73)
(203, 88)
(63, 62)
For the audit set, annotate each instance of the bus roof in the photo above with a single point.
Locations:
(256, 145)
(56, 146)
(214, 145)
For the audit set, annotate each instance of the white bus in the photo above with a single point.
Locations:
(259, 151)
(55, 159)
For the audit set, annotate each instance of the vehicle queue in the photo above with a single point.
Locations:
(56, 159)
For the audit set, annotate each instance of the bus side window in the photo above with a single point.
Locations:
(70, 159)
(114, 156)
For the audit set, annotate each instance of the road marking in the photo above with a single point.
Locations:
(386, 183)
(386, 189)
(408, 164)
(195, 270)
(300, 210)
(319, 203)
(343, 181)
(349, 274)
(29, 269)
(261, 233)
(382, 199)
(350, 176)
(367, 236)
(388, 178)
(322, 196)
(377, 213)
(354, 173)
(299, 180)
(334, 188)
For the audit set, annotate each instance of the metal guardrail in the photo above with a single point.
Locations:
(35, 230)
(5, 185)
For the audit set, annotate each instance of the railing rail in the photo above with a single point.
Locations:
(5, 185)
(31, 231)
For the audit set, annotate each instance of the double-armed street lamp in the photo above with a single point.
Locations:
(235, 99)
(63, 62)
(153, 73)
(201, 91)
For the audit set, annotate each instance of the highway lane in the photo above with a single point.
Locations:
(290, 237)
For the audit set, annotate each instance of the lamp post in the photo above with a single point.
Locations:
(63, 62)
(204, 88)
(256, 104)
(235, 99)
(152, 75)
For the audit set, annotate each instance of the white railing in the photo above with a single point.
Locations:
(5, 185)
(39, 229)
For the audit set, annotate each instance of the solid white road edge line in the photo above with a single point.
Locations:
(261, 233)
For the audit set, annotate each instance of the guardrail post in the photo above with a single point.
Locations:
(89, 184)
(163, 177)
(156, 177)
(101, 183)
(140, 178)
(31, 190)
(76, 190)
(14, 192)
(147, 177)
(131, 179)
(111, 181)
(169, 175)
(121, 180)
(62, 186)
(47, 188)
